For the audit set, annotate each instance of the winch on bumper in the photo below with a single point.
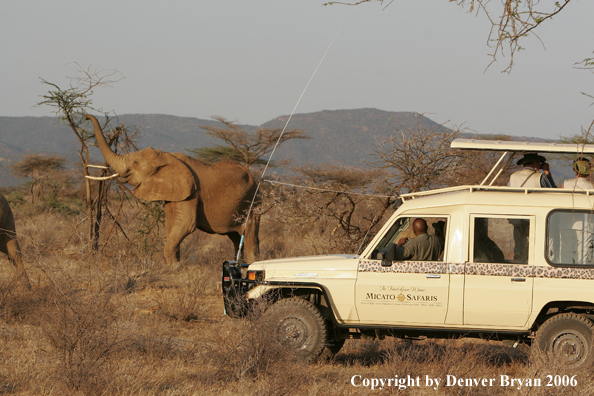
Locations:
(236, 282)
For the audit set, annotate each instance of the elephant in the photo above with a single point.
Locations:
(213, 198)
(8, 241)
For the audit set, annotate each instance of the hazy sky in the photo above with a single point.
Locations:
(249, 61)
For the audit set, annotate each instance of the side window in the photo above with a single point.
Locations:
(427, 247)
(501, 240)
(570, 238)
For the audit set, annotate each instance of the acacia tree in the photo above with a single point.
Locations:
(40, 168)
(71, 105)
(247, 148)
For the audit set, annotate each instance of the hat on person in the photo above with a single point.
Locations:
(582, 166)
(530, 158)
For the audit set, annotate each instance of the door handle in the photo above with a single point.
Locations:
(434, 276)
(518, 279)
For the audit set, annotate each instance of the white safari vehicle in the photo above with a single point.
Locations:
(517, 265)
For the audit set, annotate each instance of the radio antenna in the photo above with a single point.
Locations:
(279, 139)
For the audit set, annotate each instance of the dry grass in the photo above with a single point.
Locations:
(121, 323)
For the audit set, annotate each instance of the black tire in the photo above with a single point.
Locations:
(297, 326)
(568, 338)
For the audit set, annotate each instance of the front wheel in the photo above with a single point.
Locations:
(297, 326)
(568, 338)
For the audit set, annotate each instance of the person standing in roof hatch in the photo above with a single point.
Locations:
(530, 176)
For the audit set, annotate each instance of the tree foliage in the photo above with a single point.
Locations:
(248, 148)
(44, 170)
(222, 153)
(35, 165)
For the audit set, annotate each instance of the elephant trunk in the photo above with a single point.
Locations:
(114, 160)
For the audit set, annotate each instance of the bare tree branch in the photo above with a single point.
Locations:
(511, 21)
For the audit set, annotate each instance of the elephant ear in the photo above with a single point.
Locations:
(173, 181)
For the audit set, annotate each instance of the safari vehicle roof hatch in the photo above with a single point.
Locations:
(515, 147)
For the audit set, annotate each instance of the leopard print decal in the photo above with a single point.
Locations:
(518, 270)
(457, 269)
(564, 272)
(439, 267)
(406, 267)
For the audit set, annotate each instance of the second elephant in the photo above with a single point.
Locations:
(8, 241)
(212, 198)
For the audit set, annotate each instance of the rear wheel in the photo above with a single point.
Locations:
(568, 338)
(298, 326)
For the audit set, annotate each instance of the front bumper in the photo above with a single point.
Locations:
(235, 286)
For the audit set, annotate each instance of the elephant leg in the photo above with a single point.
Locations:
(235, 238)
(171, 249)
(252, 240)
(178, 225)
(11, 248)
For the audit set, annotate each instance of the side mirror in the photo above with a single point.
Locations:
(387, 255)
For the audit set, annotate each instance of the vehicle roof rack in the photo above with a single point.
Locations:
(475, 188)
(514, 147)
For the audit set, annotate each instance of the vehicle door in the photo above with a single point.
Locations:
(411, 292)
(498, 277)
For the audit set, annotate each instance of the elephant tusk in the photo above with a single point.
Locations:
(103, 177)
(97, 166)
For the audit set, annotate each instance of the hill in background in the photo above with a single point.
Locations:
(345, 137)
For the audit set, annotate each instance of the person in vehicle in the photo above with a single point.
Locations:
(439, 227)
(582, 169)
(531, 176)
(485, 249)
(423, 247)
